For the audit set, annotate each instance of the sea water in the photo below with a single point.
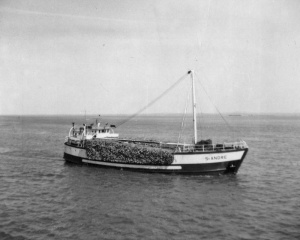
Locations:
(42, 197)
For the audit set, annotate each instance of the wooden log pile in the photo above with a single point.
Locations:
(119, 152)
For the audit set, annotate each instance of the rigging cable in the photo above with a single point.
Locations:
(153, 101)
(183, 118)
(228, 125)
(200, 117)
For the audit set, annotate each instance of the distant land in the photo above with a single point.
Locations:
(244, 114)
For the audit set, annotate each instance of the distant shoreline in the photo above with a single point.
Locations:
(153, 114)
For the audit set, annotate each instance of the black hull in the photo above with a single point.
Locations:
(229, 167)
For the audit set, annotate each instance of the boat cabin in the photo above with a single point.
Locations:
(90, 132)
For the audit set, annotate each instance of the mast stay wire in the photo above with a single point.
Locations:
(200, 48)
(184, 117)
(152, 102)
(228, 125)
(200, 119)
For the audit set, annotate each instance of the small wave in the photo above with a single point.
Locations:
(13, 154)
(6, 236)
(6, 150)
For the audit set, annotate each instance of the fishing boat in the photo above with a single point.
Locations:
(101, 146)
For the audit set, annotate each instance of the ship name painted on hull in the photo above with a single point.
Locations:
(216, 157)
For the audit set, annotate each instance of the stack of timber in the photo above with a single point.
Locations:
(125, 152)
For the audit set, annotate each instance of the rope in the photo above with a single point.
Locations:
(152, 102)
(200, 119)
(183, 118)
(228, 125)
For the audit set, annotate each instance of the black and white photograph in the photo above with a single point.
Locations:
(146, 119)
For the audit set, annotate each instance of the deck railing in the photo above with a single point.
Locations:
(212, 147)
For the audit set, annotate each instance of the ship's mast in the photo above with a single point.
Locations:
(194, 106)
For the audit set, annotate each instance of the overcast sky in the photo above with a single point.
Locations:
(115, 56)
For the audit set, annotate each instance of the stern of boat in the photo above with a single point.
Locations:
(74, 151)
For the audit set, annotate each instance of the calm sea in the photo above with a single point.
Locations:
(42, 197)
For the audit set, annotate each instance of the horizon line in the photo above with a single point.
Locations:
(152, 114)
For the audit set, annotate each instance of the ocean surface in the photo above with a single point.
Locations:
(42, 197)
